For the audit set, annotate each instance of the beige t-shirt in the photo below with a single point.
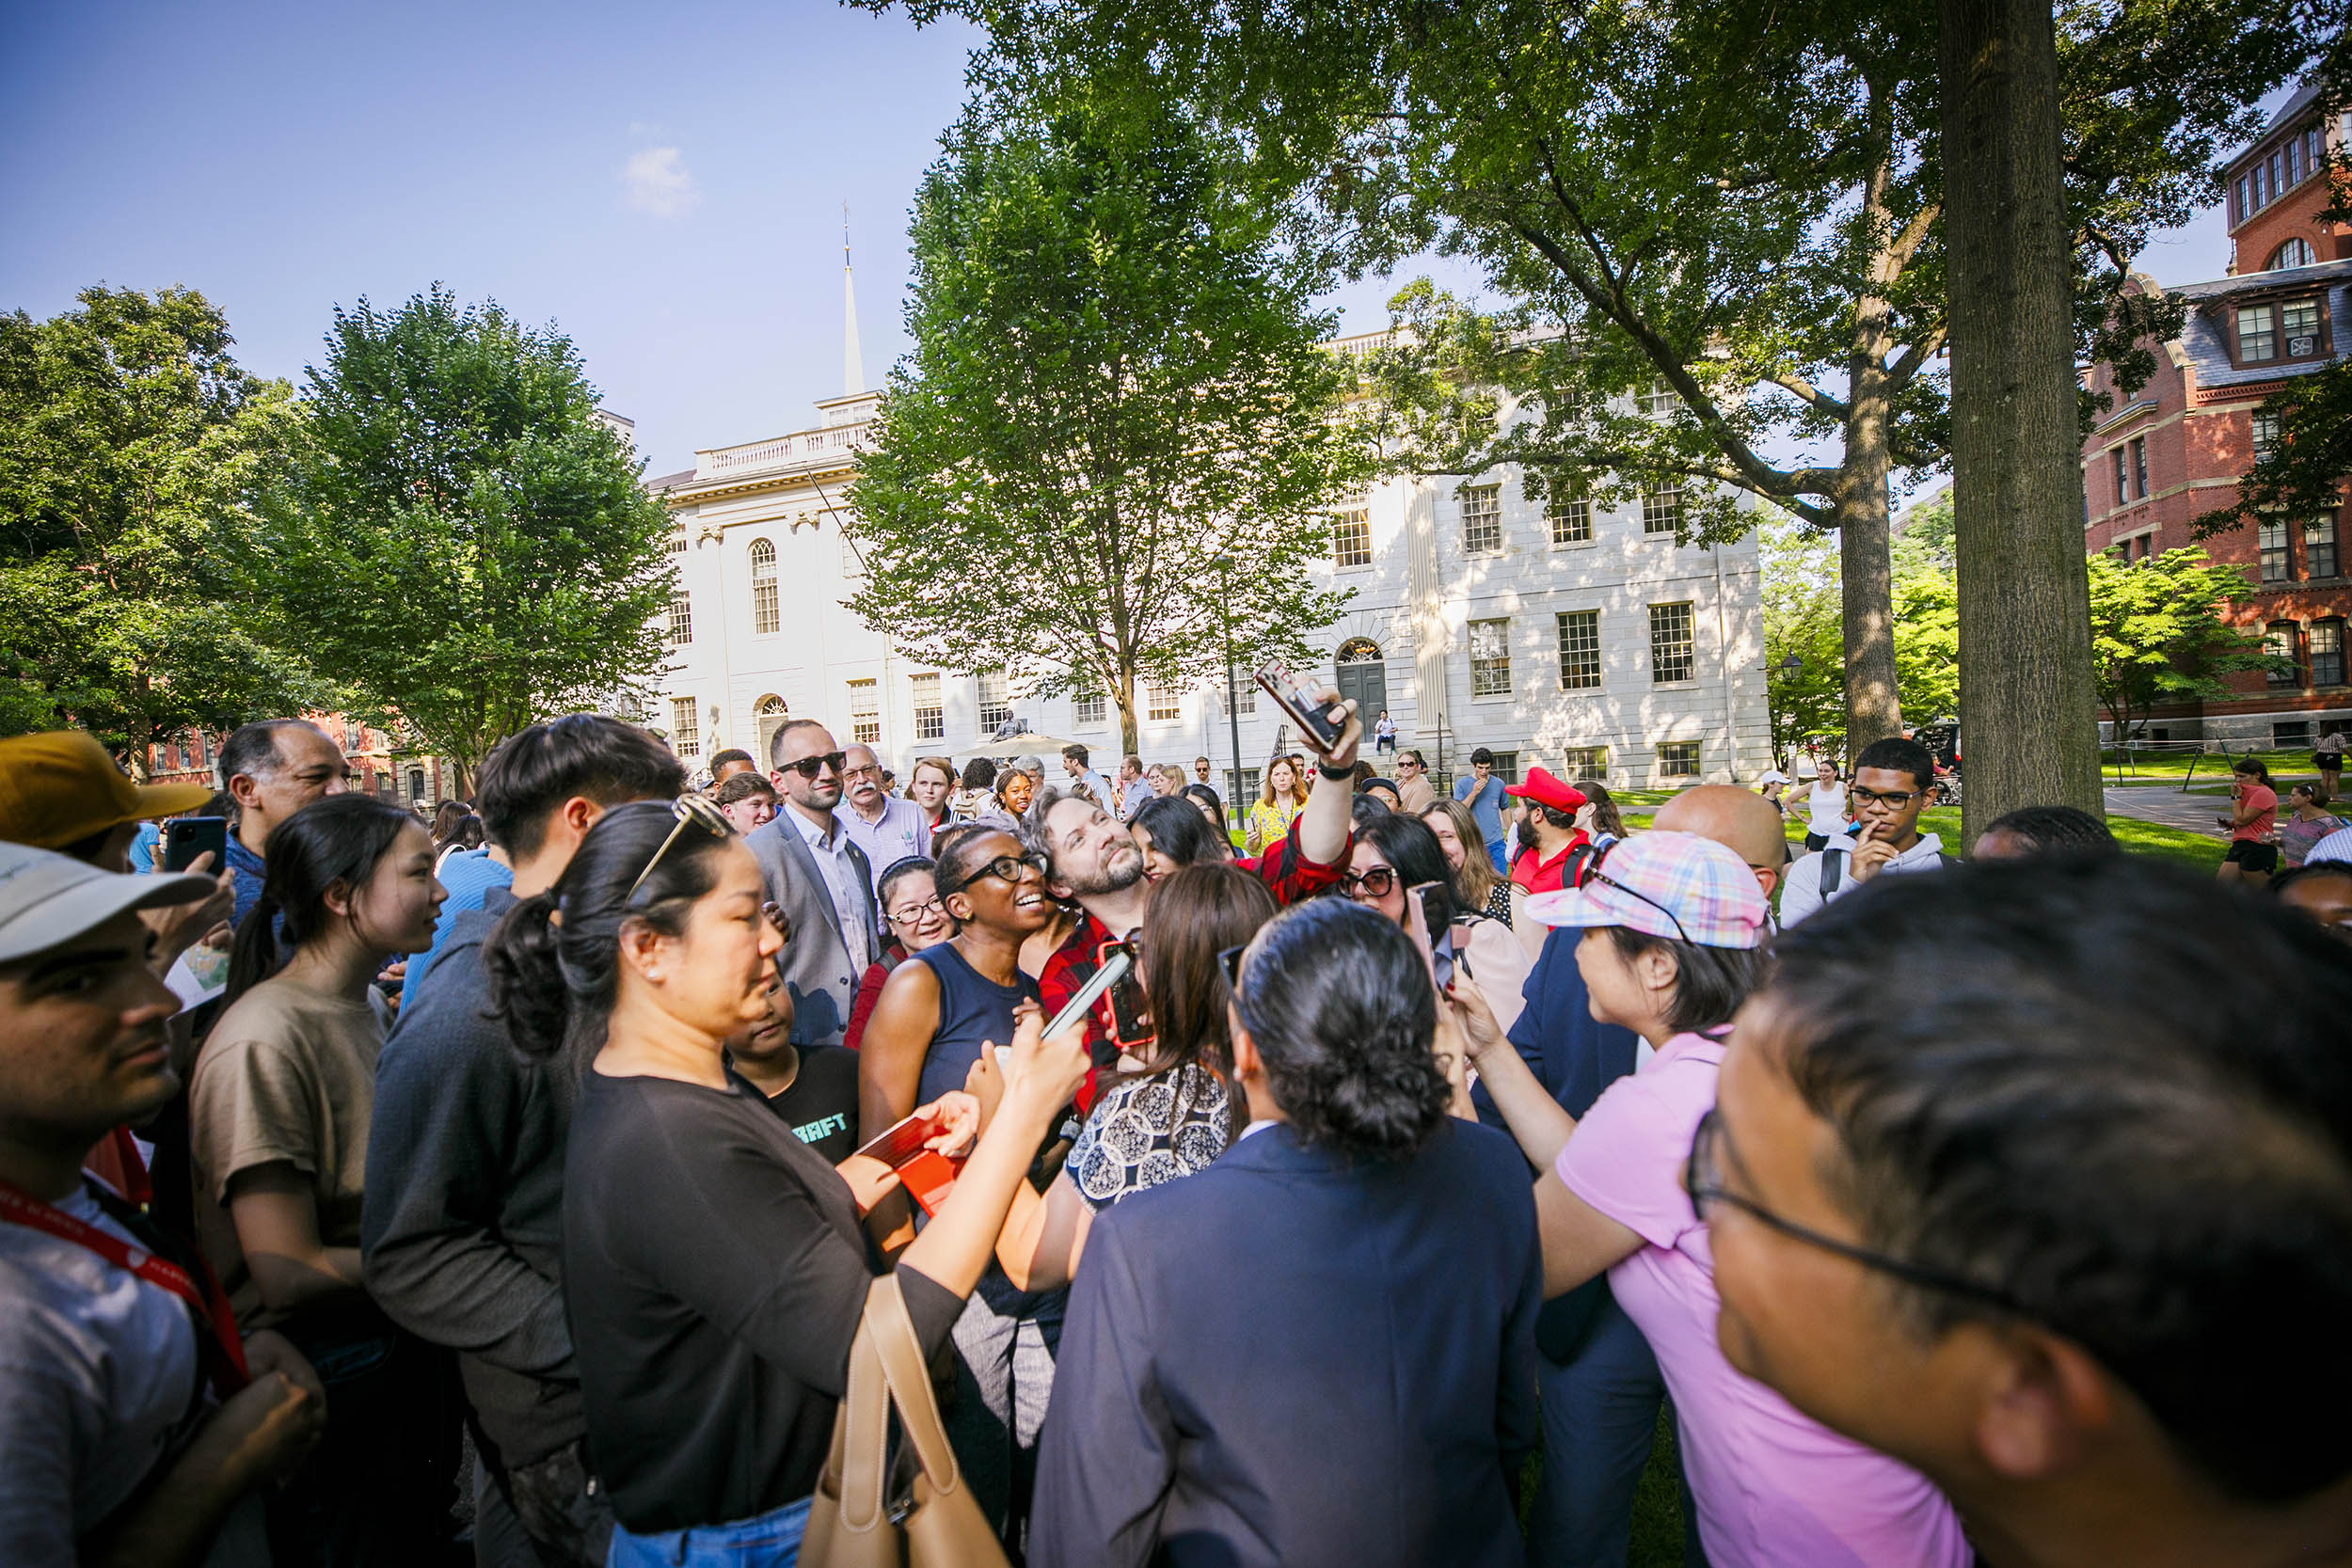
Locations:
(287, 1075)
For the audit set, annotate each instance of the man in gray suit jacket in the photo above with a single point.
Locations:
(823, 883)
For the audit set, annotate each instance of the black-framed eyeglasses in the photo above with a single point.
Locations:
(1590, 871)
(808, 768)
(1005, 869)
(1378, 883)
(687, 808)
(1894, 799)
(1229, 959)
(1703, 1178)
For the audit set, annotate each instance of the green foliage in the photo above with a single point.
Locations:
(1115, 381)
(461, 540)
(2157, 634)
(1800, 601)
(133, 454)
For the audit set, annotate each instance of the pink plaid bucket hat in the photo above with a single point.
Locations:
(1674, 885)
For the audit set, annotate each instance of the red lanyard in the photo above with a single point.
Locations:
(222, 1351)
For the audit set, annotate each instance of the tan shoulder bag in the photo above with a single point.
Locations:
(854, 1522)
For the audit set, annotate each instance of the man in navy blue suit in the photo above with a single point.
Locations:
(1600, 1386)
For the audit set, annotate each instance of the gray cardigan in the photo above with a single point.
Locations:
(819, 968)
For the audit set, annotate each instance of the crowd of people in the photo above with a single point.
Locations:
(1398, 1158)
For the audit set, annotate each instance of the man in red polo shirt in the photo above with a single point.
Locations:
(1546, 830)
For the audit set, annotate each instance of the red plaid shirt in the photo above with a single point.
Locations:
(1119, 1023)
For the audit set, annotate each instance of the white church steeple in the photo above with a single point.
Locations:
(853, 362)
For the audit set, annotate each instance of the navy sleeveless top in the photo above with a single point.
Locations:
(973, 1010)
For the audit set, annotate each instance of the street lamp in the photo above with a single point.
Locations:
(1224, 564)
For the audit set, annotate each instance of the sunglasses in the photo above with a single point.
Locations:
(1590, 871)
(1377, 883)
(685, 808)
(808, 768)
(1702, 1177)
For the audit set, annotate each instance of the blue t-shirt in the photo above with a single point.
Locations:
(1484, 805)
(144, 845)
(468, 875)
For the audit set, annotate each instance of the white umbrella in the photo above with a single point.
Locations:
(1023, 745)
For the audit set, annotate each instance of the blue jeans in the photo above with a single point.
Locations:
(1600, 1413)
(1499, 851)
(770, 1539)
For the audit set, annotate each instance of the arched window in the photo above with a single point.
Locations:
(772, 704)
(764, 616)
(1359, 650)
(2295, 253)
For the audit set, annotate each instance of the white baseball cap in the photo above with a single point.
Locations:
(47, 900)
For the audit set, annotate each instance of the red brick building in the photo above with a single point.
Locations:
(376, 766)
(2177, 447)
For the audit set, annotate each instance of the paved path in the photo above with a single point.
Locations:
(2166, 804)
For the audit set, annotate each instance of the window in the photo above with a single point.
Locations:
(1658, 402)
(1507, 767)
(2295, 253)
(2291, 732)
(1677, 759)
(931, 719)
(2293, 153)
(2122, 478)
(2298, 326)
(2256, 341)
(1162, 704)
(1482, 518)
(2245, 208)
(2319, 548)
(1351, 538)
(1580, 650)
(681, 618)
(2270, 540)
(1089, 709)
(1239, 792)
(1570, 514)
(853, 563)
(2328, 652)
(865, 712)
(677, 539)
(1672, 654)
(2139, 464)
(1490, 658)
(995, 709)
(685, 735)
(1662, 510)
(1587, 762)
(2280, 640)
(2266, 434)
(764, 617)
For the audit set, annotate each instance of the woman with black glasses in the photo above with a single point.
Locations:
(1320, 1349)
(714, 1270)
(1672, 925)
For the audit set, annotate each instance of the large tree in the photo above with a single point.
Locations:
(1803, 643)
(1719, 229)
(132, 449)
(1115, 386)
(463, 541)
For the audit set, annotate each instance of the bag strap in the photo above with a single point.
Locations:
(1833, 870)
(899, 1356)
(860, 1462)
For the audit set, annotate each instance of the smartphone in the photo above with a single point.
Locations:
(186, 837)
(1113, 971)
(1297, 702)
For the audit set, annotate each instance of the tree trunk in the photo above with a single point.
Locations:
(1866, 585)
(2027, 701)
(1123, 694)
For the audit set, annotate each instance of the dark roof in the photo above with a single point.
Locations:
(2297, 106)
(2209, 351)
(669, 482)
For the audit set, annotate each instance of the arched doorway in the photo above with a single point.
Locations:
(1364, 677)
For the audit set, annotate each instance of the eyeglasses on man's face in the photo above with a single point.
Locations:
(1893, 799)
(1377, 882)
(869, 771)
(1703, 1178)
(811, 767)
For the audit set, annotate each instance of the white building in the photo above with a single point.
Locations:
(1583, 640)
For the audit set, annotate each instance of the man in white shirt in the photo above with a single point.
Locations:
(1083, 780)
(1132, 789)
(1891, 779)
(888, 828)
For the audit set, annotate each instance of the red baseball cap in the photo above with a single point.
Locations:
(1542, 787)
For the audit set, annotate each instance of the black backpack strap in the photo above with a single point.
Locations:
(1833, 870)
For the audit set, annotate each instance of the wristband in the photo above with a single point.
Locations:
(1330, 772)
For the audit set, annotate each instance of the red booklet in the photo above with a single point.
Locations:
(926, 1174)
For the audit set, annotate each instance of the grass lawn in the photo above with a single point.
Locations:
(2159, 767)
(2140, 838)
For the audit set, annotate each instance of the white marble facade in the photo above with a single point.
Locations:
(764, 566)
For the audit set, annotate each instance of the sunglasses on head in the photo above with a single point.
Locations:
(808, 768)
(1586, 868)
(685, 808)
(1229, 959)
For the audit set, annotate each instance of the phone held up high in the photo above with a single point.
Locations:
(186, 837)
(1296, 699)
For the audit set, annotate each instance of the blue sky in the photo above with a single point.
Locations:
(663, 181)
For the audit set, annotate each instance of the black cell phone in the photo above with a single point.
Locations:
(1297, 702)
(186, 837)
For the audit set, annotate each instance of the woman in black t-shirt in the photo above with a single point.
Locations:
(714, 1270)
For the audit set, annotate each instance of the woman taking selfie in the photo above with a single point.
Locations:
(1319, 1349)
(1671, 924)
(1177, 1113)
(279, 1105)
(909, 905)
(1277, 807)
(714, 1268)
(1476, 883)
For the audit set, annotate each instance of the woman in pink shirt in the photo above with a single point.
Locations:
(1670, 927)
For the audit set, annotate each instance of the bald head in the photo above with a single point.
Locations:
(1740, 819)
